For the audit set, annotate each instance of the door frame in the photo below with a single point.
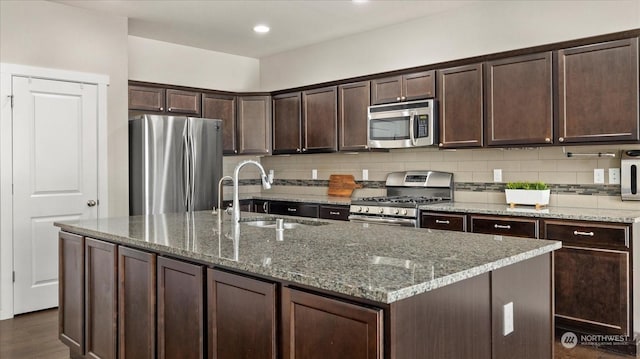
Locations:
(7, 71)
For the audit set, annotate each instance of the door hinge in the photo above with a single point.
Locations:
(14, 276)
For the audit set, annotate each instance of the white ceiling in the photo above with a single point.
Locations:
(227, 26)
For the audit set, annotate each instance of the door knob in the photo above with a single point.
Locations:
(91, 203)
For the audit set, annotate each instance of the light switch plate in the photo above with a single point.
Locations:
(507, 327)
(497, 175)
(614, 176)
(314, 174)
(598, 176)
(365, 175)
(270, 176)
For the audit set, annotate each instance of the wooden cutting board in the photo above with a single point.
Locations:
(342, 185)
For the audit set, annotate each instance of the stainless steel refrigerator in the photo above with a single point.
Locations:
(175, 164)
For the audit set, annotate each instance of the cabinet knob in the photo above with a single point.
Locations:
(169, 109)
(161, 108)
(304, 150)
(297, 150)
(561, 139)
(404, 98)
(440, 144)
(235, 151)
(547, 140)
(397, 98)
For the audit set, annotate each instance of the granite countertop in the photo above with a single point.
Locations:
(379, 263)
(585, 214)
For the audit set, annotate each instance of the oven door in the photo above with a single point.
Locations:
(389, 221)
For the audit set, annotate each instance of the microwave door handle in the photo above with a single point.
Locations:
(412, 129)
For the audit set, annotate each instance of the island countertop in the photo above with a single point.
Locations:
(379, 263)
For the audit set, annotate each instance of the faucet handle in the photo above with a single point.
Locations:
(229, 209)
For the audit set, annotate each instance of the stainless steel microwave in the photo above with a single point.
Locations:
(401, 125)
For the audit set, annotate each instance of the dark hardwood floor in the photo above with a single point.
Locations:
(35, 335)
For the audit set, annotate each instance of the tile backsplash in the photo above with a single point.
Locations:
(571, 178)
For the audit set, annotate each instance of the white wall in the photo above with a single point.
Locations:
(482, 28)
(167, 63)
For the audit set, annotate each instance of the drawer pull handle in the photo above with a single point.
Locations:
(578, 233)
(442, 222)
(334, 213)
(500, 226)
(291, 209)
(264, 207)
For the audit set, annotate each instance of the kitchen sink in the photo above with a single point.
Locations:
(272, 224)
(289, 223)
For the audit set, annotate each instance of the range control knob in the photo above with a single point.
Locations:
(359, 209)
(366, 209)
(404, 212)
(381, 210)
(397, 211)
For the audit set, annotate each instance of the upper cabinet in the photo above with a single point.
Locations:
(353, 104)
(222, 107)
(146, 98)
(408, 87)
(167, 101)
(319, 117)
(598, 92)
(287, 112)
(183, 102)
(254, 125)
(460, 92)
(518, 101)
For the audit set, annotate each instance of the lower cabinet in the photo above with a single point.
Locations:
(71, 291)
(294, 209)
(336, 212)
(180, 309)
(316, 327)
(241, 316)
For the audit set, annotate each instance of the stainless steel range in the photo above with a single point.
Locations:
(405, 192)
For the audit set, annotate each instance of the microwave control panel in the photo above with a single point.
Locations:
(422, 122)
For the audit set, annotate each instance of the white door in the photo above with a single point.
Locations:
(54, 178)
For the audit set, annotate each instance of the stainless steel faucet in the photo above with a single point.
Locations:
(236, 201)
(220, 194)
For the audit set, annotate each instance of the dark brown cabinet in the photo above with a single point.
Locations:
(183, 102)
(136, 304)
(242, 316)
(222, 107)
(287, 114)
(319, 327)
(254, 125)
(598, 92)
(461, 106)
(146, 98)
(168, 101)
(71, 291)
(260, 206)
(294, 209)
(449, 222)
(407, 87)
(505, 226)
(319, 120)
(180, 309)
(101, 311)
(519, 101)
(336, 212)
(353, 105)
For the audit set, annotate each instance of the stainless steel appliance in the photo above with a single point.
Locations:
(175, 163)
(629, 175)
(405, 192)
(399, 125)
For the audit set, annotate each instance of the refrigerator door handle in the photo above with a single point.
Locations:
(186, 169)
(192, 171)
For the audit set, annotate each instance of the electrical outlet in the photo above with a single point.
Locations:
(271, 175)
(314, 174)
(497, 175)
(614, 176)
(507, 327)
(365, 175)
(598, 176)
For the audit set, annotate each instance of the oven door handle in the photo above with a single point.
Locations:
(380, 220)
(412, 134)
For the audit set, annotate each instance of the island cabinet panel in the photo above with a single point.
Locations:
(317, 327)
(223, 107)
(450, 322)
(461, 106)
(184, 102)
(444, 221)
(287, 132)
(136, 304)
(340, 213)
(101, 266)
(241, 316)
(353, 105)
(320, 120)
(529, 287)
(71, 291)
(180, 309)
(254, 125)
(149, 99)
(409, 87)
(294, 209)
(598, 92)
(505, 226)
(519, 101)
(260, 206)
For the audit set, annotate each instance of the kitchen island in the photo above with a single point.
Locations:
(189, 285)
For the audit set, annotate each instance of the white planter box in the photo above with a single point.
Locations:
(529, 197)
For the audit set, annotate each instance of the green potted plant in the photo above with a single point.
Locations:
(527, 193)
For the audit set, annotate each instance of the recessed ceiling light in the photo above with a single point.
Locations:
(261, 29)
(360, 1)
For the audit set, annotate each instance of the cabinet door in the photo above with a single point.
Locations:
(460, 92)
(419, 86)
(592, 290)
(136, 304)
(316, 327)
(71, 291)
(353, 102)
(598, 92)
(386, 90)
(183, 102)
(518, 101)
(254, 125)
(223, 108)
(294, 209)
(339, 213)
(320, 120)
(146, 98)
(242, 316)
(101, 267)
(286, 123)
(180, 309)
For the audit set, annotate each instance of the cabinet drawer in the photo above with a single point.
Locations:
(294, 209)
(588, 234)
(449, 222)
(260, 206)
(517, 227)
(340, 213)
